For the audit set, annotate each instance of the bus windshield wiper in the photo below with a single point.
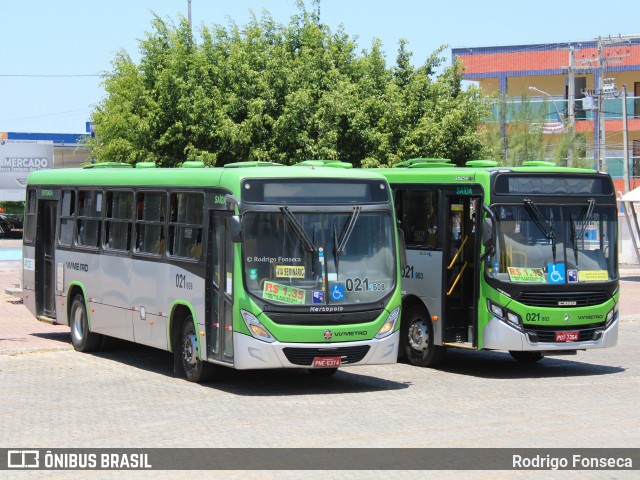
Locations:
(585, 216)
(545, 227)
(340, 244)
(308, 243)
(346, 233)
(574, 238)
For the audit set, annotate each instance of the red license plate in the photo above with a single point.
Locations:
(326, 362)
(567, 336)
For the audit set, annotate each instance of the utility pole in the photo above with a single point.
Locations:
(625, 140)
(572, 105)
(600, 92)
(189, 13)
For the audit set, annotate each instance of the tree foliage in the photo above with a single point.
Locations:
(267, 91)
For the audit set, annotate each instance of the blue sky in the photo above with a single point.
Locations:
(72, 37)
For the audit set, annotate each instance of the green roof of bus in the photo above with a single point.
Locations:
(229, 178)
(464, 174)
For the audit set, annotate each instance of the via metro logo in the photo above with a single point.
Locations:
(23, 459)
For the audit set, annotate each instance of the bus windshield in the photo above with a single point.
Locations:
(538, 243)
(318, 258)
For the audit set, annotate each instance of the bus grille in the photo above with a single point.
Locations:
(565, 299)
(305, 356)
(335, 318)
(586, 333)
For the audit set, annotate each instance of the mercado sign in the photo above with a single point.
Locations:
(18, 158)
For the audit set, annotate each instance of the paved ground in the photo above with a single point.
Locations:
(52, 396)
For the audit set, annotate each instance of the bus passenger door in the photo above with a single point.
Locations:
(219, 289)
(461, 270)
(45, 258)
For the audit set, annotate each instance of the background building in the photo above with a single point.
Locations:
(577, 85)
(22, 153)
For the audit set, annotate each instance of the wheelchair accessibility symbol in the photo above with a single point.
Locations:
(337, 293)
(556, 272)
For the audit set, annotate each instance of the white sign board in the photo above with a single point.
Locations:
(18, 158)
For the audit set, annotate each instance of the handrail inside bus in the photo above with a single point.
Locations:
(455, 282)
(455, 257)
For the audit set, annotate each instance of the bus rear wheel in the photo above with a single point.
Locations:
(525, 357)
(194, 368)
(417, 339)
(81, 338)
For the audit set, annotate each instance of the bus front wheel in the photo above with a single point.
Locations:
(418, 341)
(195, 369)
(525, 357)
(81, 338)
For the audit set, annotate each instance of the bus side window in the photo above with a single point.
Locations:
(30, 224)
(67, 213)
(89, 218)
(417, 213)
(185, 226)
(118, 220)
(150, 219)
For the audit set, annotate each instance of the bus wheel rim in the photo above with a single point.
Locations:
(418, 336)
(78, 324)
(190, 351)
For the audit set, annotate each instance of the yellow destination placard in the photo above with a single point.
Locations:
(290, 271)
(593, 276)
(283, 293)
(518, 274)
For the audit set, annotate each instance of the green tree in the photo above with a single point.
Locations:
(266, 91)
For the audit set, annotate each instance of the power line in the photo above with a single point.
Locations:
(26, 75)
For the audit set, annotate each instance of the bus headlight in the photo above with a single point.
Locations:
(506, 316)
(612, 316)
(258, 330)
(390, 324)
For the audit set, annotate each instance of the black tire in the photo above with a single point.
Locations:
(81, 338)
(322, 372)
(417, 340)
(526, 357)
(195, 369)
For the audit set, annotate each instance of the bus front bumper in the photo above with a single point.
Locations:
(250, 353)
(499, 336)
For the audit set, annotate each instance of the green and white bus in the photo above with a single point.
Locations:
(249, 266)
(521, 259)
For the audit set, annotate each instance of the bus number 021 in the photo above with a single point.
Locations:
(409, 273)
(181, 282)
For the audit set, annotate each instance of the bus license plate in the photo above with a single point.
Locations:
(566, 336)
(326, 362)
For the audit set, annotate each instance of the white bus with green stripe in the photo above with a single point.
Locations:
(250, 266)
(522, 259)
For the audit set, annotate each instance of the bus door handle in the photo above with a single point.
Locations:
(455, 257)
(455, 282)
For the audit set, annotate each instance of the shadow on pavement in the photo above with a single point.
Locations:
(500, 365)
(634, 278)
(253, 382)
(63, 337)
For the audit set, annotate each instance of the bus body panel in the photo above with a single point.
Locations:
(494, 333)
(421, 278)
(255, 354)
(29, 278)
(130, 295)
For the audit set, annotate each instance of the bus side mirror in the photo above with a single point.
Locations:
(402, 248)
(487, 232)
(236, 230)
(488, 237)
